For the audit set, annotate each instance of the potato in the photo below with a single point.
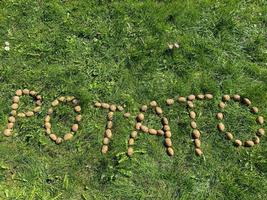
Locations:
(190, 104)
(55, 103)
(29, 114)
(198, 152)
(152, 131)
(160, 132)
(164, 121)
(221, 105)
(130, 151)
(10, 125)
(7, 132)
(50, 111)
(260, 132)
(19, 92)
(62, 99)
(127, 115)
(13, 113)
(237, 143)
(59, 140)
(226, 97)
(158, 110)
(170, 151)
(110, 115)
(104, 149)
(105, 105)
(131, 141)
(75, 127)
(77, 109)
(113, 108)
(236, 97)
(108, 133)
(260, 120)
(39, 97)
(133, 134)
(12, 119)
(78, 118)
(193, 124)
(196, 134)
(229, 136)
(256, 140)
(249, 143)
(68, 136)
(200, 96)
(15, 99)
(109, 124)
(191, 97)
(209, 96)
(197, 143)
(37, 109)
(33, 93)
(153, 103)
(170, 102)
(221, 127)
(140, 117)
(53, 137)
(246, 101)
(166, 128)
(143, 108)
(120, 108)
(47, 125)
(138, 125)
(192, 115)
(21, 115)
(219, 116)
(98, 105)
(14, 106)
(254, 110)
(144, 129)
(167, 134)
(182, 99)
(106, 140)
(47, 118)
(38, 103)
(26, 91)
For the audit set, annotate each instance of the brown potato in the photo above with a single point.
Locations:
(77, 108)
(192, 115)
(158, 110)
(144, 129)
(109, 124)
(170, 102)
(160, 132)
(170, 151)
(55, 103)
(75, 127)
(29, 114)
(193, 124)
(78, 118)
(59, 140)
(108, 133)
(140, 117)
(143, 108)
(53, 137)
(191, 97)
(221, 105)
(164, 121)
(237, 143)
(19, 92)
(260, 132)
(131, 141)
(260, 120)
(7, 132)
(138, 125)
(246, 101)
(127, 115)
(196, 134)
(105, 105)
(26, 91)
(209, 96)
(254, 110)
(15, 99)
(221, 127)
(229, 136)
(113, 108)
(12, 119)
(182, 99)
(14, 106)
(226, 97)
(167, 134)
(98, 105)
(200, 96)
(68, 136)
(249, 143)
(152, 131)
(198, 152)
(236, 97)
(104, 149)
(130, 151)
(133, 134)
(256, 140)
(110, 116)
(219, 116)
(153, 103)
(197, 143)
(106, 140)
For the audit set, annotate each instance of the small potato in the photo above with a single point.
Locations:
(33, 93)
(110, 116)
(209, 96)
(249, 143)
(59, 140)
(166, 128)
(14, 106)
(133, 134)
(19, 92)
(219, 116)
(105, 105)
(260, 120)
(77, 108)
(197, 143)
(113, 108)
(26, 91)
(192, 115)
(160, 132)
(78, 118)
(246, 101)
(143, 108)
(21, 115)
(53, 137)
(198, 152)
(7, 132)
(153, 103)
(109, 124)
(182, 99)
(48, 125)
(221, 105)
(138, 126)
(229, 136)
(260, 132)
(140, 117)
(226, 97)
(104, 149)
(106, 140)
(15, 99)
(158, 110)
(144, 129)
(200, 96)
(191, 97)
(10, 125)
(221, 127)
(98, 105)
(254, 110)
(237, 143)
(170, 102)
(190, 104)
(167, 134)
(170, 151)
(127, 115)
(68, 136)
(13, 113)
(75, 127)
(236, 97)
(256, 140)
(108, 133)
(120, 108)
(164, 121)
(131, 141)
(196, 134)
(193, 124)
(55, 103)
(37, 109)
(29, 114)
(152, 131)
(12, 119)
(47, 118)
(130, 151)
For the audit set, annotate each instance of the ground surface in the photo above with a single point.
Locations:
(115, 51)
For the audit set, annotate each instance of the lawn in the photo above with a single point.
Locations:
(118, 52)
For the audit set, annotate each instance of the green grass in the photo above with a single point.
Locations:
(116, 51)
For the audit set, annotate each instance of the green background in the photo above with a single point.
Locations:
(117, 52)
